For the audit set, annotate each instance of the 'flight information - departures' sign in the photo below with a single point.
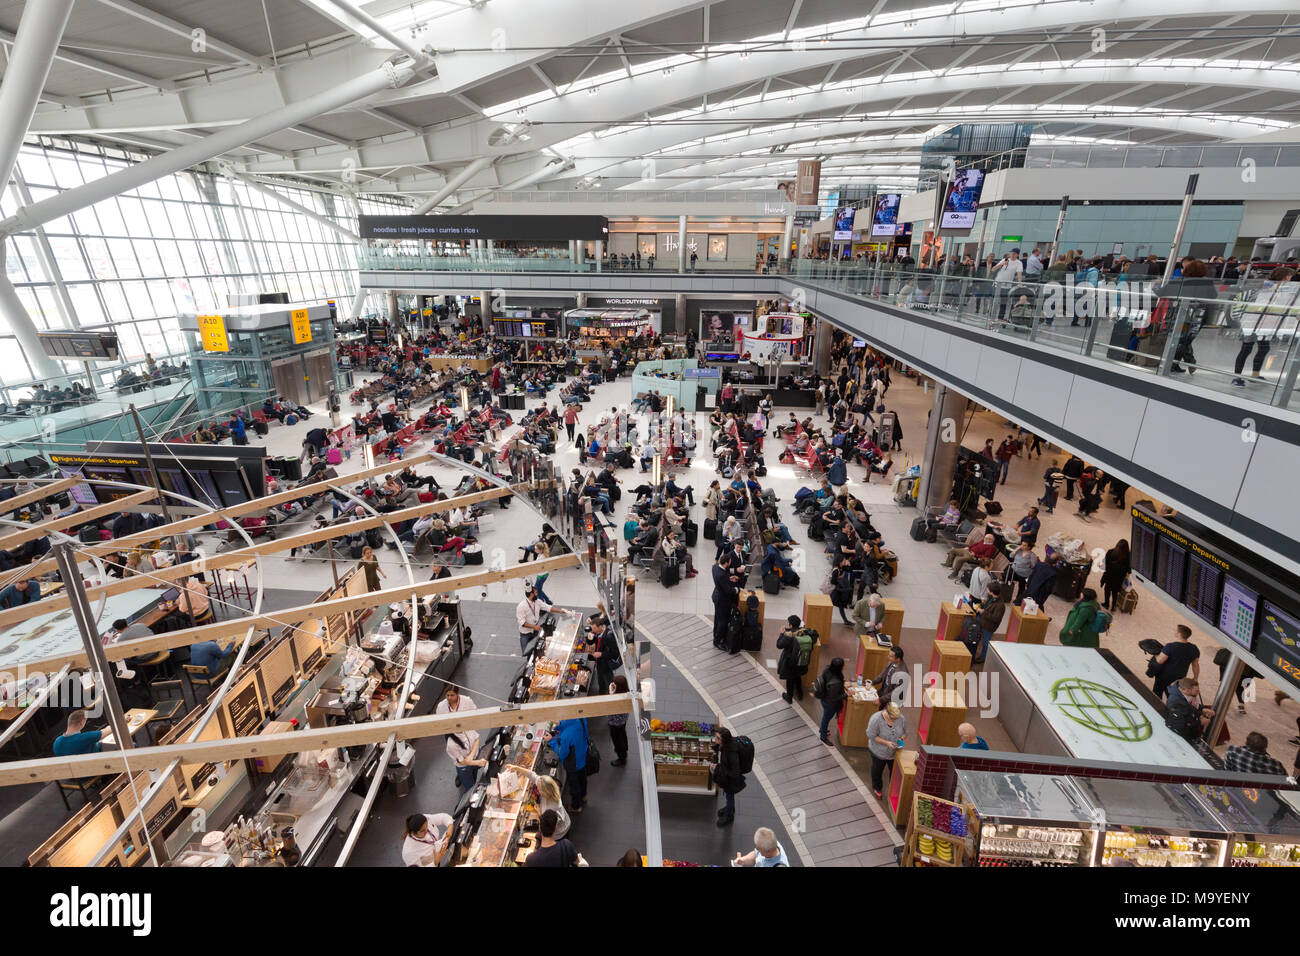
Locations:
(212, 332)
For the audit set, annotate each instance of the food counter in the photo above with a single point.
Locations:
(499, 804)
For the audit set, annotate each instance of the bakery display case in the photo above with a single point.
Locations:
(1154, 824)
(1264, 823)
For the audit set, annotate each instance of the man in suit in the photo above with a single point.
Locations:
(725, 597)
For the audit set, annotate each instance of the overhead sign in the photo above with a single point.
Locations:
(301, 326)
(808, 182)
(212, 332)
(1012, 239)
(453, 228)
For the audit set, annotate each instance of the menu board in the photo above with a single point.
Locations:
(279, 674)
(1171, 568)
(1279, 642)
(307, 647)
(197, 774)
(161, 808)
(87, 839)
(1204, 581)
(1237, 618)
(243, 707)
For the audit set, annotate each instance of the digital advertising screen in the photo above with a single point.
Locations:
(884, 215)
(843, 230)
(963, 200)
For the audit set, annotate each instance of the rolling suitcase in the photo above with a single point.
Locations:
(710, 529)
(692, 534)
(670, 573)
(334, 456)
(772, 583)
(1128, 602)
(918, 529)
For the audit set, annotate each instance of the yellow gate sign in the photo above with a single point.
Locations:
(301, 326)
(212, 332)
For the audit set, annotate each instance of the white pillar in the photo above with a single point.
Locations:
(30, 59)
(784, 253)
(600, 253)
(488, 247)
(681, 244)
(451, 185)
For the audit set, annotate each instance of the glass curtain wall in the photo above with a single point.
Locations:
(180, 244)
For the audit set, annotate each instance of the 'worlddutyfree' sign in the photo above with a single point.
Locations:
(515, 228)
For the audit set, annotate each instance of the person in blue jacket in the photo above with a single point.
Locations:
(837, 470)
(570, 740)
(20, 592)
(76, 739)
(238, 433)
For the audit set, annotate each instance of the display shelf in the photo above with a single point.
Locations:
(691, 771)
(1144, 849)
(924, 844)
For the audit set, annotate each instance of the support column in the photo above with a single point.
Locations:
(1183, 216)
(600, 254)
(1056, 236)
(783, 254)
(822, 350)
(30, 59)
(681, 244)
(24, 329)
(942, 440)
(485, 310)
(681, 323)
(489, 247)
(392, 308)
(1223, 699)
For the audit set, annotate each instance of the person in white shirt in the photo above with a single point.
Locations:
(528, 613)
(462, 747)
(1005, 274)
(767, 851)
(426, 836)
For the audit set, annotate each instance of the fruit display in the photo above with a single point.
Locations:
(693, 727)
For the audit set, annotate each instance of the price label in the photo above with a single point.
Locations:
(301, 326)
(212, 332)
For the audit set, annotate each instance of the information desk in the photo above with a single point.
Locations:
(1067, 701)
(499, 830)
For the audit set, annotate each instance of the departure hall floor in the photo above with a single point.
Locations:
(797, 771)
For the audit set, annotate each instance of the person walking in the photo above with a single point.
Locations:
(1006, 451)
(1175, 660)
(795, 643)
(725, 770)
(369, 566)
(829, 689)
(886, 732)
(1072, 470)
(1115, 569)
(1080, 628)
(570, 420)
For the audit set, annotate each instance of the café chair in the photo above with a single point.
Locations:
(198, 676)
(86, 786)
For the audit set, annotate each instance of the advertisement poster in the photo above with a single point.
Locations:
(963, 200)
(717, 248)
(843, 229)
(884, 215)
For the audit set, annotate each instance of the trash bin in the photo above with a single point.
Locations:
(400, 777)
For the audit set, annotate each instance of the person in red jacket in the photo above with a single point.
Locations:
(958, 557)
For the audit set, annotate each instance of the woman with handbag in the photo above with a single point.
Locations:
(829, 689)
(1115, 569)
(842, 581)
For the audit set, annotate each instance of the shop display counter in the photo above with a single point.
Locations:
(1027, 820)
(893, 617)
(951, 620)
(937, 833)
(817, 614)
(949, 659)
(1265, 824)
(860, 704)
(942, 712)
(683, 752)
(872, 658)
(1025, 628)
(901, 782)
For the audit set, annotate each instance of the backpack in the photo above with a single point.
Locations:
(805, 638)
(745, 754)
(1101, 621)
(819, 687)
(971, 635)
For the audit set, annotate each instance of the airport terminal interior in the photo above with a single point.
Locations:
(705, 433)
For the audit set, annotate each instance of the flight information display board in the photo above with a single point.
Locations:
(1144, 552)
(1204, 582)
(1237, 618)
(1171, 568)
(1279, 641)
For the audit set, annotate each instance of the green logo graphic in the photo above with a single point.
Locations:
(1101, 709)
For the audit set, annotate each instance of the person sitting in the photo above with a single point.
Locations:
(207, 654)
(20, 593)
(76, 739)
(949, 520)
(774, 560)
(1253, 757)
(959, 557)
(1185, 715)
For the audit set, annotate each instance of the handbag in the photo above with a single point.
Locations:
(593, 759)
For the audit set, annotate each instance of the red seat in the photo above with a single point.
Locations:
(259, 415)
